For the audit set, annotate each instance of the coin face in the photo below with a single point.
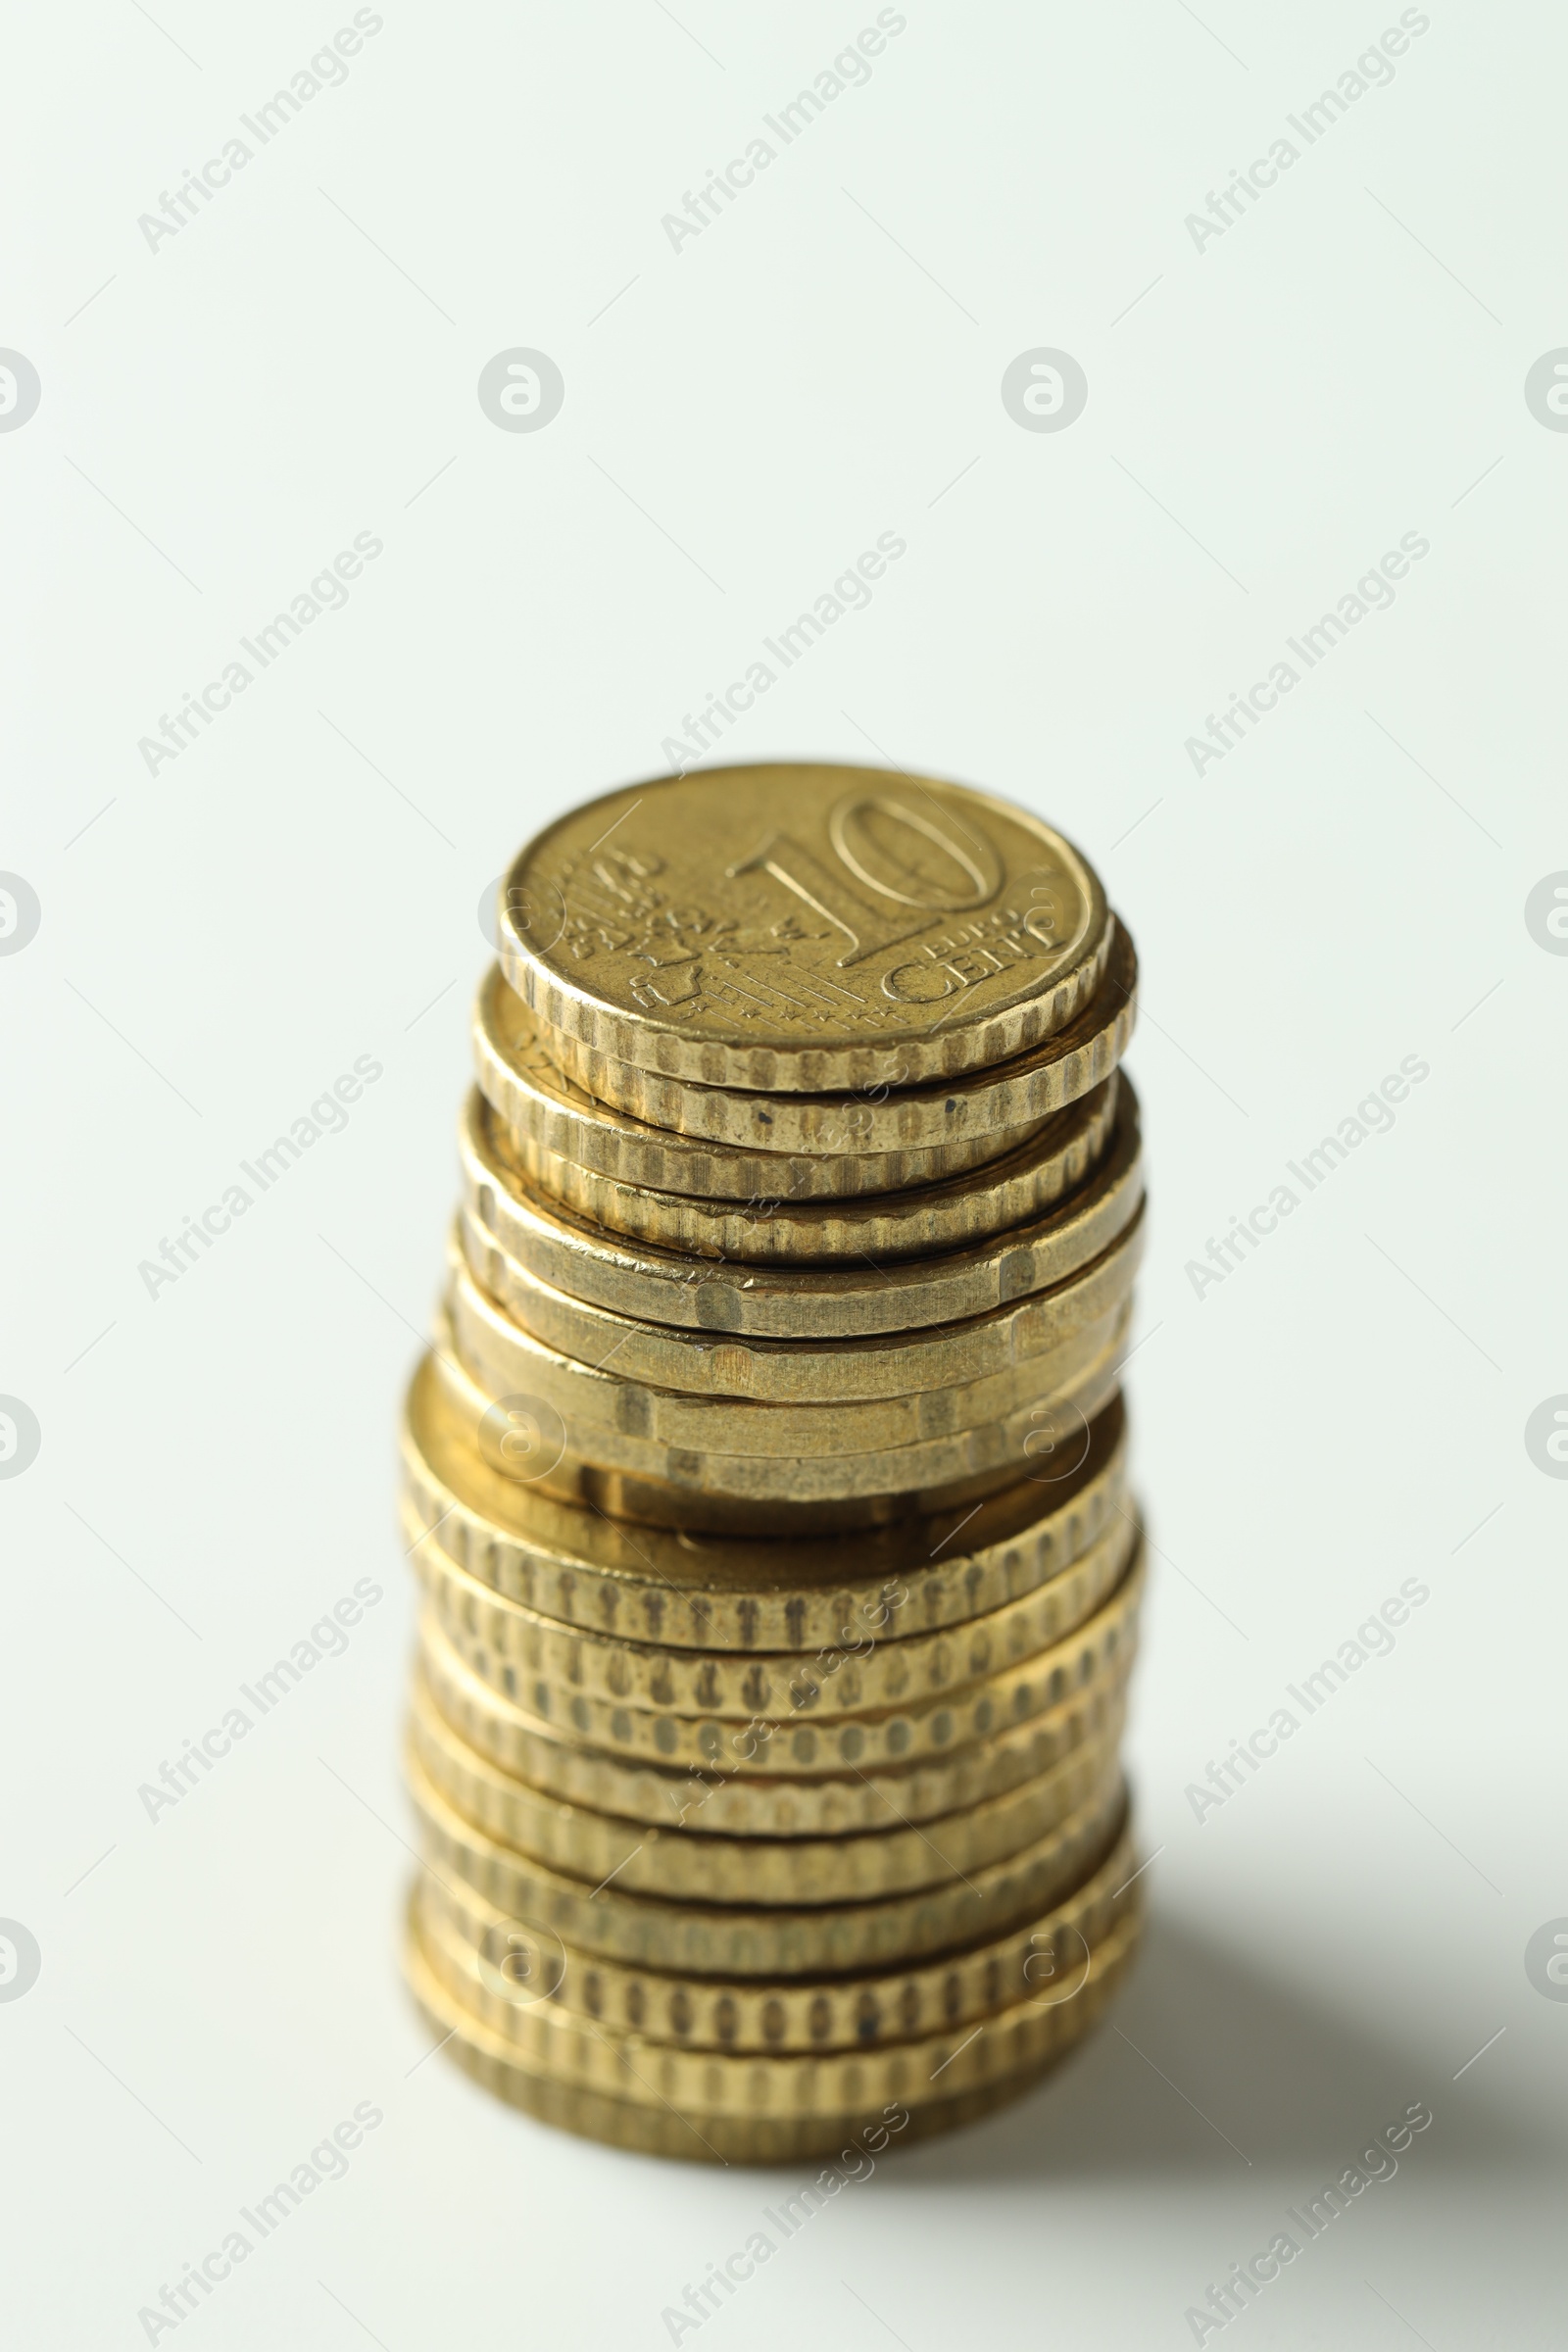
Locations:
(800, 927)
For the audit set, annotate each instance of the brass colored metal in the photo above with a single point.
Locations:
(735, 1940)
(899, 929)
(791, 2083)
(766, 1477)
(800, 1745)
(571, 1562)
(900, 1367)
(1045, 1956)
(1063, 1197)
(728, 1799)
(641, 2121)
(553, 1118)
(808, 1451)
(726, 1493)
(877, 1662)
(859, 1867)
(963, 1111)
(783, 1226)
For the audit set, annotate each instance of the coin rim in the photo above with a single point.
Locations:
(753, 1941)
(957, 1979)
(563, 1246)
(868, 1865)
(998, 1098)
(612, 1143)
(725, 1578)
(576, 1661)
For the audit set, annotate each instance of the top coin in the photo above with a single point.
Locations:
(795, 928)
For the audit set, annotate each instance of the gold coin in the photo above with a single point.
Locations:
(806, 2083)
(926, 1725)
(1044, 1958)
(900, 929)
(744, 1497)
(547, 1666)
(553, 1119)
(626, 1422)
(731, 1494)
(894, 1860)
(777, 1229)
(997, 1099)
(898, 1367)
(733, 1940)
(799, 1468)
(714, 1593)
(856, 1297)
(722, 1799)
(650, 2126)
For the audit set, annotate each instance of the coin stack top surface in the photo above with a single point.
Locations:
(766, 1477)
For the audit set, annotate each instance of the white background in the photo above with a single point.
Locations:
(1266, 416)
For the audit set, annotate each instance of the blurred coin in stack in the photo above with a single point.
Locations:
(767, 1478)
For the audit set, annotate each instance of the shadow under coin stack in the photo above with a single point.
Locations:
(767, 1478)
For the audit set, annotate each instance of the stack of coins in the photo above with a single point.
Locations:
(766, 1477)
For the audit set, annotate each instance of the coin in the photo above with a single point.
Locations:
(1089, 1154)
(728, 1493)
(552, 1119)
(603, 1407)
(653, 2126)
(767, 1473)
(924, 1725)
(1043, 1958)
(709, 2082)
(766, 1478)
(901, 925)
(775, 1228)
(901, 1367)
(723, 1799)
(974, 1104)
(690, 1591)
(746, 1495)
(880, 1495)
(734, 1939)
(862, 1867)
(549, 1666)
